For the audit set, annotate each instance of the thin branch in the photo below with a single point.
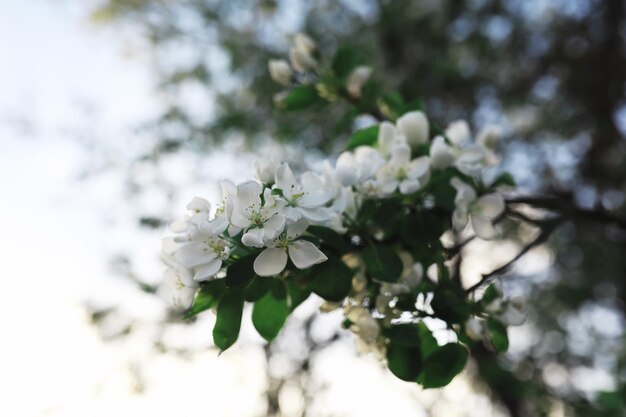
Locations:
(541, 238)
(568, 209)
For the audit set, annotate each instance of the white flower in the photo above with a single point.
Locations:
(225, 209)
(474, 329)
(259, 221)
(471, 160)
(402, 173)
(352, 168)
(180, 287)
(204, 254)
(303, 254)
(414, 126)
(358, 77)
(280, 71)
(480, 212)
(306, 198)
(201, 217)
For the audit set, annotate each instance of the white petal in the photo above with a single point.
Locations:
(316, 215)
(297, 228)
(368, 161)
(409, 186)
(386, 137)
(286, 181)
(483, 227)
(198, 205)
(248, 199)
(179, 226)
(316, 192)
(280, 71)
(264, 171)
(215, 226)
(458, 132)
(441, 155)
(193, 254)
(169, 245)
(253, 237)
(346, 169)
(460, 218)
(474, 329)
(400, 154)
(291, 213)
(273, 227)
(303, 254)
(414, 125)
(418, 167)
(207, 271)
(490, 205)
(270, 262)
(489, 136)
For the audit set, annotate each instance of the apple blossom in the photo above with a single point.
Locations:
(303, 254)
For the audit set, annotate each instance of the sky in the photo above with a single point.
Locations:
(67, 87)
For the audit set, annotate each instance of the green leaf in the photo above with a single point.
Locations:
(207, 297)
(382, 262)
(490, 294)
(450, 304)
(367, 136)
(241, 272)
(443, 365)
(404, 362)
(345, 60)
(257, 288)
(270, 312)
(428, 342)
(301, 97)
(330, 237)
(298, 293)
(504, 179)
(331, 280)
(228, 323)
(498, 335)
(406, 335)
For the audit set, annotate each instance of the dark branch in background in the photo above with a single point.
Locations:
(541, 238)
(568, 209)
(565, 208)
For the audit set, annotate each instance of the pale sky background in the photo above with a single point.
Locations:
(67, 90)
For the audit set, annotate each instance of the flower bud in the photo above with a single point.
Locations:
(304, 43)
(474, 329)
(458, 132)
(441, 155)
(265, 171)
(301, 61)
(280, 71)
(414, 125)
(357, 79)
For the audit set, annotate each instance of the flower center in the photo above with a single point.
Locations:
(179, 284)
(257, 219)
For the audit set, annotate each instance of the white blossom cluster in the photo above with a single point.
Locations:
(270, 215)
